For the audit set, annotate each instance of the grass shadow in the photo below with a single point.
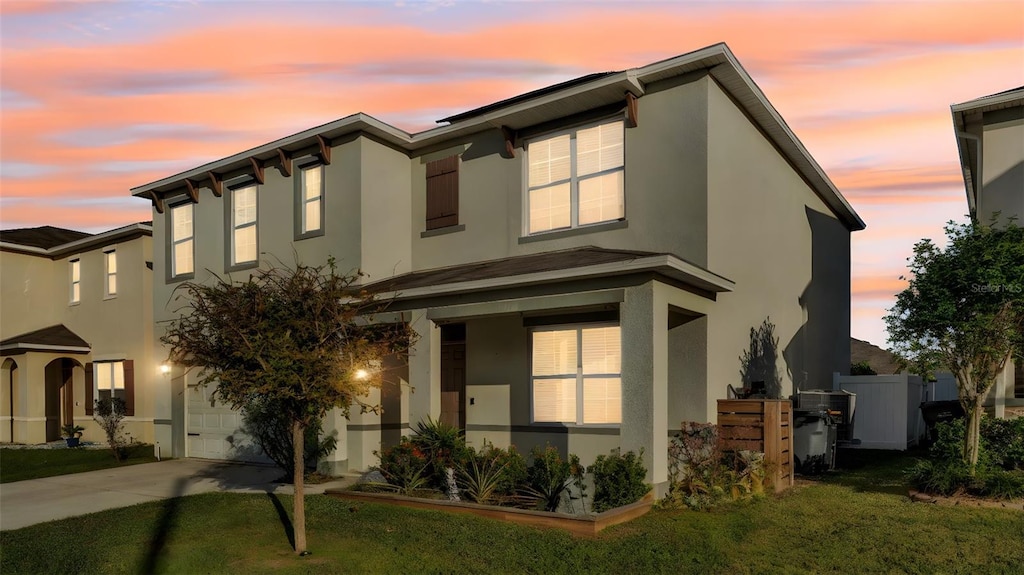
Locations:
(872, 470)
(286, 522)
(162, 532)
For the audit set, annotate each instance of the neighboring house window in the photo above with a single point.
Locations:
(310, 197)
(110, 273)
(576, 375)
(76, 281)
(576, 178)
(243, 225)
(443, 193)
(109, 379)
(182, 245)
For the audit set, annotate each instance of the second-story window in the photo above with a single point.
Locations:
(182, 244)
(443, 193)
(576, 178)
(243, 226)
(76, 281)
(310, 200)
(110, 273)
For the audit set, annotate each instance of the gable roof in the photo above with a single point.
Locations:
(534, 108)
(55, 243)
(54, 338)
(45, 237)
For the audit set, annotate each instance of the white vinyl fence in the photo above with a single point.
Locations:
(888, 414)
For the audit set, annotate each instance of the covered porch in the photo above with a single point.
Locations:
(585, 350)
(42, 384)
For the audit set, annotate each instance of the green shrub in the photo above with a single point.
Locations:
(271, 429)
(618, 479)
(1002, 484)
(444, 447)
(942, 477)
(1004, 441)
(404, 466)
(110, 413)
(483, 478)
(862, 368)
(701, 474)
(547, 478)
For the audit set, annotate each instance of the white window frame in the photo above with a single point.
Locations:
(175, 241)
(233, 227)
(75, 265)
(110, 365)
(580, 377)
(573, 180)
(107, 274)
(305, 231)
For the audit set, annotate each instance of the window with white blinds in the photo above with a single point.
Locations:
(576, 375)
(243, 227)
(182, 257)
(576, 178)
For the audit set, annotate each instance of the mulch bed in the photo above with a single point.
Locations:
(966, 501)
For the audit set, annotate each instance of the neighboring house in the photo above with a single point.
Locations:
(990, 137)
(76, 326)
(583, 263)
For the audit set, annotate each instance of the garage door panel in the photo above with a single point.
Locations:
(214, 430)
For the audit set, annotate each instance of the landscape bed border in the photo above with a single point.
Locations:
(585, 525)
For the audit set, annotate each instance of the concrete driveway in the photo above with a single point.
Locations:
(24, 503)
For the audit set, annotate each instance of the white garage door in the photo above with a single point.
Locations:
(213, 430)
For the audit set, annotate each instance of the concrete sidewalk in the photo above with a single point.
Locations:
(25, 503)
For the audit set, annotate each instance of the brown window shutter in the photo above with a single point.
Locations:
(129, 387)
(88, 389)
(443, 193)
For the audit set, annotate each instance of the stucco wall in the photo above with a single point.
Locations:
(1003, 166)
(665, 177)
(789, 256)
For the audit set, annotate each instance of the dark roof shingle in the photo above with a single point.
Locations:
(45, 237)
(55, 335)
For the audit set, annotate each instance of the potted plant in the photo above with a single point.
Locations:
(72, 434)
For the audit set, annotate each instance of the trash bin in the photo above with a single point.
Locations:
(935, 412)
(814, 441)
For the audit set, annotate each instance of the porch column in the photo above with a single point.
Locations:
(336, 462)
(643, 317)
(425, 370)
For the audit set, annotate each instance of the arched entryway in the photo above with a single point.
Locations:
(60, 396)
(8, 392)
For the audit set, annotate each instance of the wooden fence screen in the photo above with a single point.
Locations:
(760, 425)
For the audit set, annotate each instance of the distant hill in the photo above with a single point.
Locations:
(880, 360)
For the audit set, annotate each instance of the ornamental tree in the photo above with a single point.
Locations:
(301, 339)
(963, 311)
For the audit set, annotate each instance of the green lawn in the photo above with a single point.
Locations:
(21, 464)
(857, 522)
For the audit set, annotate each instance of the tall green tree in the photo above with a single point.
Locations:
(963, 311)
(298, 338)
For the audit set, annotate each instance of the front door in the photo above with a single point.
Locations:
(453, 375)
(67, 394)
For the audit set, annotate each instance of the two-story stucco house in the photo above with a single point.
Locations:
(77, 326)
(990, 136)
(583, 263)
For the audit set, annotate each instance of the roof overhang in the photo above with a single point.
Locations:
(665, 264)
(574, 98)
(20, 348)
(963, 114)
(121, 234)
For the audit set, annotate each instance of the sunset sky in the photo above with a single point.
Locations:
(98, 97)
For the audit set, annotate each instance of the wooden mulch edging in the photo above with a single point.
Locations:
(588, 525)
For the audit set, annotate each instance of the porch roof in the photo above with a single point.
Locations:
(56, 338)
(548, 267)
